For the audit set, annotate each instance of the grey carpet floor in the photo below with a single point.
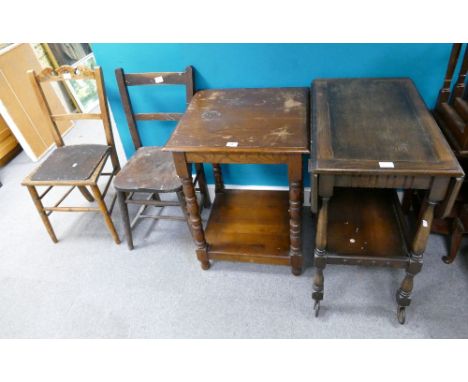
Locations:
(88, 287)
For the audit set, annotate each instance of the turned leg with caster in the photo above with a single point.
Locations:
(403, 295)
(317, 294)
(320, 259)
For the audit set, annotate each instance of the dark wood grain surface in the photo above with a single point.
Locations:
(151, 170)
(361, 122)
(365, 222)
(244, 120)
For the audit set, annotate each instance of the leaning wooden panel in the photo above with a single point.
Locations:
(30, 123)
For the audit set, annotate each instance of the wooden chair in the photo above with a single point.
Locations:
(451, 110)
(73, 165)
(451, 113)
(150, 170)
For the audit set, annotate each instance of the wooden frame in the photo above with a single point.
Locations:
(105, 152)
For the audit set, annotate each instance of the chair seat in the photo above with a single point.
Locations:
(71, 163)
(149, 169)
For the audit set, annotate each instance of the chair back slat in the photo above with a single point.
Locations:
(444, 93)
(156, 78)
(459, 89)
(75, 116)
(125, 80)
(158, 116)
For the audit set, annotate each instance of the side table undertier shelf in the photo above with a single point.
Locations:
(250, 226)
(366, 227)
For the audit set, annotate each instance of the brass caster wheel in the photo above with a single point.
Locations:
(317, 308)
(401, 314)
(447, 260)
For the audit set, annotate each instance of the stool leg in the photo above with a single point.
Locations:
(125, 218)
(105, 213)
(40, 208)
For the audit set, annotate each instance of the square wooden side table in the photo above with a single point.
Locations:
(267, 126)
(369, 138)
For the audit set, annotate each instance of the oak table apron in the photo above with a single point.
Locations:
(371, 137)
(245, 126)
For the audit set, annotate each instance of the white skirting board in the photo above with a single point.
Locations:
(211, 189)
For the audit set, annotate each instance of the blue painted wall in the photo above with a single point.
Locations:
(258, 65)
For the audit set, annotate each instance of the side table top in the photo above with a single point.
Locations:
(376, 125)
(267, 120)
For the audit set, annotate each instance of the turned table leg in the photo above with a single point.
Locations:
(403, 295)
(295, 213)
(218, 177)
(193, 210)
(320, 255)
(325, 192)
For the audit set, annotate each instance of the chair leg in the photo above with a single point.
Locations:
(183, 206)
(84, 191)
(203, 185)
(40, 208)
(456, 235)
(125, 218)
(105, 213)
